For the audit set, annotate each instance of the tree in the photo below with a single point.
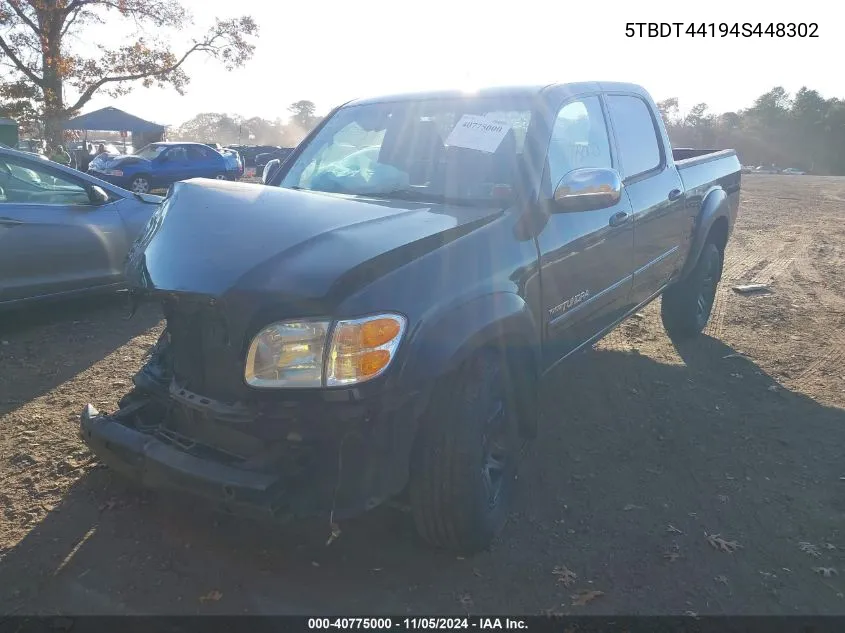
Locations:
(669, 110)
(303, 115)
(17, 101)
(228, 129)
(36, 37)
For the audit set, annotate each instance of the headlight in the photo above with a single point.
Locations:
(291, 354)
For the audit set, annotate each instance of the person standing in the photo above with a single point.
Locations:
(58, 154)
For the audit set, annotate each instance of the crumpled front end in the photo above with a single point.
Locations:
(190, 424)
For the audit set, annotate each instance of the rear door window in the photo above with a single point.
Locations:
(636, 134)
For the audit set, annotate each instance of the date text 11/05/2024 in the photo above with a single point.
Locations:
(419, 623)
(721, 29)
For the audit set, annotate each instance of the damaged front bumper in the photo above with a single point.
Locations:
(296, 461)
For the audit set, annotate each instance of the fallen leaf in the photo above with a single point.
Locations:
(565, 575)
(809, 549)
(772, 388)
(466, 601)
(631, 506)
(583, 597)
(829, 546)
(721, 579)
(717, 542)
(827, 572)
(748, 288)
(691, 614)
(211, 596)
(671, 528)
(334, 535)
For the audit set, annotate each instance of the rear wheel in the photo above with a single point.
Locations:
(465, 457)
(686, 306)
(221, 177)
(140, 184)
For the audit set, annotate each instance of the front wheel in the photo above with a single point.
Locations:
(686, 306)
(140, 184)
(465, 457)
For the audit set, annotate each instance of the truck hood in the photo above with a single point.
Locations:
(213, 237)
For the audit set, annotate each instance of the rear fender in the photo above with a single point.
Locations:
(714, 205)
(502, 321)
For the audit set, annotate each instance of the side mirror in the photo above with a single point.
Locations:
(270, 170)
(98, 195)
(587, 189)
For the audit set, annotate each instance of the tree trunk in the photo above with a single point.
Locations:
(54, 106)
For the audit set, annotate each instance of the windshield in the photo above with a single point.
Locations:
(461, 149)
(151, 151)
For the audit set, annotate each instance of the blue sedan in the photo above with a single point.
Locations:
(159, 164)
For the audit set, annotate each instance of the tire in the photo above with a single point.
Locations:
(465, 457)
(686, 306)
(140, 184)
(221, 177)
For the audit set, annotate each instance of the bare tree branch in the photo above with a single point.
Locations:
(71, 20)
(91, 89)
(15, 4)
(19, 64)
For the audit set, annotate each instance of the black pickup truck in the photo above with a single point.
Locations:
(377, 321)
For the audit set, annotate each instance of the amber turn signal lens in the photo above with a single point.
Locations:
(370, 363)
(379, 332)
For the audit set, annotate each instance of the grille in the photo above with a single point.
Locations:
(186, 346)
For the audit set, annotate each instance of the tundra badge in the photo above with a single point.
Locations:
(569, 303)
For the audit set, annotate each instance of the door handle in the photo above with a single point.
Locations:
(675, 194)
(617, 219)
(10, 222)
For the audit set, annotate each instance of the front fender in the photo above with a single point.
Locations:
(439, 345)
(714, 205)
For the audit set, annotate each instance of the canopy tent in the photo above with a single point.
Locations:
(113, 120)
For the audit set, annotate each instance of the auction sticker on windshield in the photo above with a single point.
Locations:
(478, 132)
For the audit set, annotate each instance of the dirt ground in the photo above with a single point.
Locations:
(705, 479)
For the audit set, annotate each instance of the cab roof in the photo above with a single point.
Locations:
(550, 91)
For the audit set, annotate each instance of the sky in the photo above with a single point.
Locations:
(336, 50)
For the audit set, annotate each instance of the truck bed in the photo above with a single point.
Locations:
(685, 156)
(700, 169)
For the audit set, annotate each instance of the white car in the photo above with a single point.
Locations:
(793, 172)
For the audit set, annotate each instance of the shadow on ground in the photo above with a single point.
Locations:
(77, 333)
(637, 464)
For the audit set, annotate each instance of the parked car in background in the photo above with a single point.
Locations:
(160, 164)
(250, 152)
(381, 317)
(62, 232)
(791, 171)
(262, 159)
(233, 158)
